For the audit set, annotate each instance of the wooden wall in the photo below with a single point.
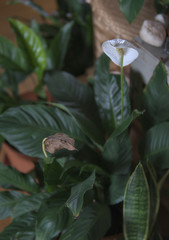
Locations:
(22, 12)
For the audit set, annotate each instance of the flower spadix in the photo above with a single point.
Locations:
(116, 48)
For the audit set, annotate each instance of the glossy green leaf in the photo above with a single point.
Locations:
(36, 28)
(154, 197)
(78, 97)
(53, 176)
(75, 201)
(26, 126)
(93, 223)
(111, 150)
(8, 200)
(53, 217)
(86, 125)
(74, 94)
(125, 156)
(89, 127)
(28, 204)
(15, 204)
(108, 95)
(93, 167)
(117, 154)
(58, 47)
(17, 179)
(31, 47)
(156, 97)
(116, 188)
(1, 141)
(155, 146)
(6, 101)
(11, 79)
(21, 226)
(11, 57)
(126, 123)
(136, 208)
(130, 8)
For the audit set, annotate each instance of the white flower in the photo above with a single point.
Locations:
(115, 48)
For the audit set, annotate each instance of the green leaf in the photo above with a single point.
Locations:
(28, 204)
(8, 200)
(93, 223)
(31, 47)
(75, 201)
(108, 95)
(125, 155)
(91, 167)
(26, 126)
(87, 126)
(36, 28)
(17, 179)
(11, 57)
(21, 226)
(53, 217)
(155, 146)
(11, 80)
(58, 47)
(117, 154)
(53, 176)
(1, 141)
(136, 208)
(74, 94)
(116, 188)
(126, 123)
(78, 97)
(154, 197)
(130, 8)
(6, 101)
(15, 204)
(111, 150)
(156, 97)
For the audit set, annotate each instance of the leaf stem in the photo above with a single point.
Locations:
(122, 101)
(162, 180)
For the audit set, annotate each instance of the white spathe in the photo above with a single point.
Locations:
(130, 51)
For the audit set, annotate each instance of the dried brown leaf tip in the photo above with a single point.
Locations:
(59, 141)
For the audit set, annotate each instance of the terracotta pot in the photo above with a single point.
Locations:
(16, 159)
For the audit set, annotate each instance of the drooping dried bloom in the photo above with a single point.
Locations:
(59, 141)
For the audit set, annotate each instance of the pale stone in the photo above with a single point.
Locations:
(163, 18)
(153, 33)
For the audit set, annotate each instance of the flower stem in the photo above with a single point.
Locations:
(122, 104)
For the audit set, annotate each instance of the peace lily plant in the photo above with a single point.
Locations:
(122, 53)
(84, 185)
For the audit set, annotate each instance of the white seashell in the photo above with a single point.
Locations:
(153, 33)
(162, 18)
(129, 52)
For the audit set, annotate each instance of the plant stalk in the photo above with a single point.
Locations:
(122, 101)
